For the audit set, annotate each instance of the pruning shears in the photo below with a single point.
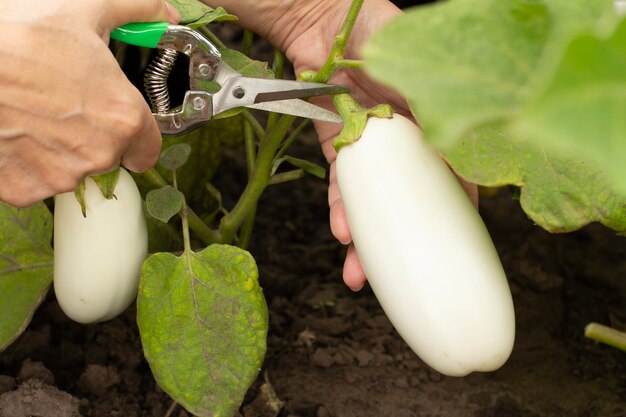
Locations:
(214, 86)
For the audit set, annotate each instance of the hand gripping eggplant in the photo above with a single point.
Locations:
(214, 86)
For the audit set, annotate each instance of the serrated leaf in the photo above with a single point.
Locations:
(560, 194)
(461, 63)
(26, 266)
(203, 322)
(583, 107)
(163, 203)
(307, 166)
(175, 156)
(194, 13)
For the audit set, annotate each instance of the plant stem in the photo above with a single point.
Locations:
(184, 216)
(251, 154)
(292, 137)
(246, 43)
(283, 177)
(606, 335)
(200, 228)
(339, 45)
(211, 36)
(256, 126)
(278, 66)
(349, 63)
(256, 183)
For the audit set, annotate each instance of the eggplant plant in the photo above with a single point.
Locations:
(516, 92)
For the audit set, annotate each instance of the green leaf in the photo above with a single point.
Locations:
(582, 110)
(194, 13)
(175, 156)
(206, 144)
(470, 71)
(307, 166)
(461, 65)
(25, 266)
(203, 323)
(560, 194)
(245, 65)
(164, 203)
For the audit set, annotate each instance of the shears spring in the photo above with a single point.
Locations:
(214, 87)
(155, 80)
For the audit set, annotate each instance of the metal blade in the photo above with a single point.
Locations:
(277, 90)
(300, 108)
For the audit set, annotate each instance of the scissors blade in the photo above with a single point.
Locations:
(300, 108)
(276, 90)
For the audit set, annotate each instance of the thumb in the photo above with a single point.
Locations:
(120, 12)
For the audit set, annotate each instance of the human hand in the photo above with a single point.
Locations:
(305, 30)
(66, 108)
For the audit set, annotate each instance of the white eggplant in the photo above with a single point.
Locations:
(425, 250)
(98, 258)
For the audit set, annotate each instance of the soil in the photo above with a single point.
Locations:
(333, 353)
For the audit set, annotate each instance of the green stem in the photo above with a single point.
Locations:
(200, 228)
(212, 37)
(283, 177)
(251, 154)
(256, 183)
(349, 63)
(246, 43)
(278, 67)
(184, 216)
(254, 123)
(606, 335)
(338, 49)
(292, 137)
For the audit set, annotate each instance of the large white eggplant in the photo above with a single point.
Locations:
(425, 250)
(98, 257)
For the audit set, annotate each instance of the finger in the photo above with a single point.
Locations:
(143, 151)
(120, 12)
(353, 273)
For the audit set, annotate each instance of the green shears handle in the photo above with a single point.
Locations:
(146, 34)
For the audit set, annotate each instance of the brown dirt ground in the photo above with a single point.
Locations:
(333, 353)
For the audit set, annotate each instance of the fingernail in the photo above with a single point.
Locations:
(356, 289)
(174, 14)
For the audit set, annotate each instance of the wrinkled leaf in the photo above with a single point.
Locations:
(175, 156)
(559, 193)
(164, 203)
(307, 166)
(26, 266)
(583, 108)
(194, 13)
(461, 65)
(203, 323)
(465, 68)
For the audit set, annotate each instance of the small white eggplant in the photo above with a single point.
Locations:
(425, 250)
(98, 257)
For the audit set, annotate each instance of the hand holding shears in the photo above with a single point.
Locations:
(206, 67)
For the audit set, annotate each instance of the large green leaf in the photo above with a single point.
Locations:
(25, 266)
(463, 63)
(203, 323)
(559, 193)
(194, 13)
(468, 65)
(583, 108)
